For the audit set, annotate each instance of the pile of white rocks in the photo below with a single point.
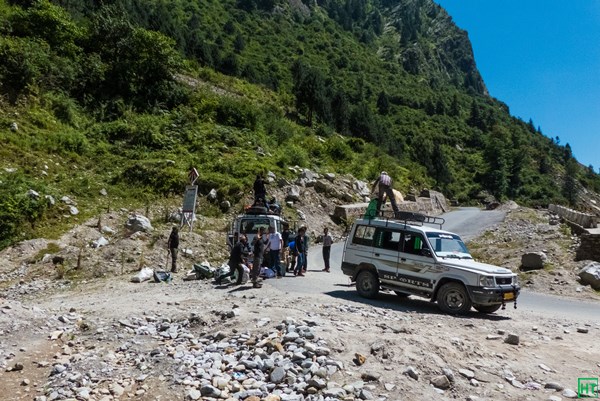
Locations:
(284, 362)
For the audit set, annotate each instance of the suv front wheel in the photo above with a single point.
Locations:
(367, 284)
(453, 298)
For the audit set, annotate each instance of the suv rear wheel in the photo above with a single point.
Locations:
(367, 284)
(486, 308)
(453, 298)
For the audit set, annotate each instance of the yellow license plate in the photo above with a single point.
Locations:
(508, 296)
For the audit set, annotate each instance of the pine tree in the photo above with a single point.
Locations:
(441, 171)
(455, 106)
(340, 109)
(383, 103)
(475, 118)
(497, 155)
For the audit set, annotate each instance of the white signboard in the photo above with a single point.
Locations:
(189, 206)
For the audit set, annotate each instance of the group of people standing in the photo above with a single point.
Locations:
(275, 243)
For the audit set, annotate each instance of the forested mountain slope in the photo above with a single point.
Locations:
(128, 95)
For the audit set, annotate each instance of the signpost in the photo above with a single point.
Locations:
(188, 211)
(193, 176)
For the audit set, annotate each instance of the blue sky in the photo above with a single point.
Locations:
(541, 58)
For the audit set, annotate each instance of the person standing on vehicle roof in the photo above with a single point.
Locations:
(385, 188)
(260, 192)
(236, 258)
(275, 245)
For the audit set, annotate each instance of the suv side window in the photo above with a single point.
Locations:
(388, 239)
(363, 235)
(414, 243)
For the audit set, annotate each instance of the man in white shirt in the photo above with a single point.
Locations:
(275, 245)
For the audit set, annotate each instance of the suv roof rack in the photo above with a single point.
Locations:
(259, 210)
(411, 217)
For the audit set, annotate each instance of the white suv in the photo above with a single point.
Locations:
(410, 258)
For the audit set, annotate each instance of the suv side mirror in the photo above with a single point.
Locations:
(426, 252)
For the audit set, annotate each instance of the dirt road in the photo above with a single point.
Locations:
(295, 339)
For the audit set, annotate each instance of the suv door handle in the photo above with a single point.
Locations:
(403, 259)
(376, 254)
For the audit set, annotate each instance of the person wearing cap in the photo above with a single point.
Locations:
(385, 188)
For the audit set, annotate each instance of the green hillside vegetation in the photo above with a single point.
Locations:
(129, 95)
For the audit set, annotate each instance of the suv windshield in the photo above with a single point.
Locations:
(448, 246)
(251, 225)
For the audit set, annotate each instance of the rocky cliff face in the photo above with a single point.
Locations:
(432, 45)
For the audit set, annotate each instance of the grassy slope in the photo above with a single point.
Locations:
(141, 156)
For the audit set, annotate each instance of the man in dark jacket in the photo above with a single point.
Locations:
(300, 251)
(173, 247)
(260, 192)
(236, 258)
(258, 251)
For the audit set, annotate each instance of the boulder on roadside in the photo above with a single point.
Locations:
(398, 195)
(533, 260)
(137, 223)
(225, 205)
(65, 199)
(99, 243)
(322, 186)
(361, 188)
(440, 381)
(293, 193)
(590, 274)
(309, 176)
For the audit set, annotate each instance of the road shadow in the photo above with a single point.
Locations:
(241, 287)
(411, 304)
